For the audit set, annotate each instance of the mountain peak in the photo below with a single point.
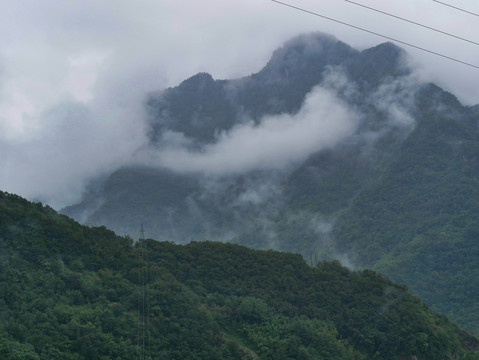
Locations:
(306, 45)
(198, 81)
(307, 50)
(373, 65)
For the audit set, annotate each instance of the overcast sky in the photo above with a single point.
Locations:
(73, 68)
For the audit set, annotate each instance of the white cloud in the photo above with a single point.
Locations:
(275, 143)
(396, 98)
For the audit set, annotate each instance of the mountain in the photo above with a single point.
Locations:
(218, 206)
(393, 189)
(68, 291)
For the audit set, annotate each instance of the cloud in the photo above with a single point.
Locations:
(98, 58)
(75, 144)
(276, 142)
(396, 98)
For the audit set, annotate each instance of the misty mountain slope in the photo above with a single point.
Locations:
(327, 151)
(72, 292)
(162, 192)
(418, 222)
(175, 206)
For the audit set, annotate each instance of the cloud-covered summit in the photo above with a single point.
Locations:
(266, 120)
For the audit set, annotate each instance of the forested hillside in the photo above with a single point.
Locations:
(418, 222)
(395, 189)
(72, 292)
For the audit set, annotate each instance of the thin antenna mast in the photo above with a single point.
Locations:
(143, 303)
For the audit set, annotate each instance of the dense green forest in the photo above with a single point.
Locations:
(418, 223)
(68, 291)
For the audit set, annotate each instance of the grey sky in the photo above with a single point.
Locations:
(98, 58)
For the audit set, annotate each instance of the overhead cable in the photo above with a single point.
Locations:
(412, 22)
(376, 33)
(455, 7)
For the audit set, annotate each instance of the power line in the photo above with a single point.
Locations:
(413, 22)
(139, 353)
(147, 292)
(375, 33)
(143, 334)
(455, 7)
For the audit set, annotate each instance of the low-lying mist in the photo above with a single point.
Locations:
(275, 143)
